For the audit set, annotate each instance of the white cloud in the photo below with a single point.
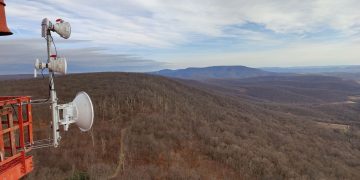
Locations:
(18, 56)
(163, 23)
(167, 24)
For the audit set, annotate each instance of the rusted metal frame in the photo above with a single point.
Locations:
(7, 123)
(8, 130)
(5, 111)
(18, 153)
(21, 133)
(24, 123)
(29, 121)
(13, 128)
(4, 98)
(9, 165)
(21, 125)
(7, 102)
(12, 134)
(7, 160)
(12, 100)
(17, 147)
(7, 98)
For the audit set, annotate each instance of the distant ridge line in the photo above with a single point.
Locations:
(214, 72)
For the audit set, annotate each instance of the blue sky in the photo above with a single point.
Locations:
(147, 35)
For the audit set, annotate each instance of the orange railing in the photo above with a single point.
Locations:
(15, 137)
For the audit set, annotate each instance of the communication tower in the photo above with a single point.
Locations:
(16, 129)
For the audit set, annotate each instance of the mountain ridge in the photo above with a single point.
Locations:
(213, 72)
(315, 69)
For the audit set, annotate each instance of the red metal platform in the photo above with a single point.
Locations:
(15, 137)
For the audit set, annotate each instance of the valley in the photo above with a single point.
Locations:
(253, 128)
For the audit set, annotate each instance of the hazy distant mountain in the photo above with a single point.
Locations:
(16, 76)
(214, 72)
(315, 69)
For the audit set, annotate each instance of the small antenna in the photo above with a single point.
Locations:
(80, 110)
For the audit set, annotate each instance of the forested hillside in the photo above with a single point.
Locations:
(149, 127)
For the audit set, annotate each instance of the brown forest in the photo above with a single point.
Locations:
(150, 127)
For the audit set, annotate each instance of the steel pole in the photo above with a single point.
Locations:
(54, 108)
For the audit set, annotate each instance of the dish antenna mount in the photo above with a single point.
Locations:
(80, 110)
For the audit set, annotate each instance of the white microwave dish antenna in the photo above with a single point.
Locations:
(80, 111)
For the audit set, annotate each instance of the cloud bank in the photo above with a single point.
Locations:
(18, 57)
(161, 23)
(176, 32)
